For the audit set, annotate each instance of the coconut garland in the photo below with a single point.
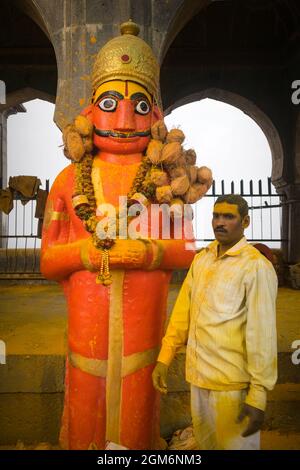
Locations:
(167, 174)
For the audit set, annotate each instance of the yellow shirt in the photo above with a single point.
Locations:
(226, 313)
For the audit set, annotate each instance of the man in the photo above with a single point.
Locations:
(225, 312)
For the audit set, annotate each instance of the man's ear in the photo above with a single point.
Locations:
(88, 112)
(246, 221)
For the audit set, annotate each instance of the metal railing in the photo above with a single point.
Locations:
(20, 242)
(265, 210)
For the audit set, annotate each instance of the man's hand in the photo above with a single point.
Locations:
(256, 419)
(159, 377)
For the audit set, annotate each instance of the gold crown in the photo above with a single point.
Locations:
(127, 57)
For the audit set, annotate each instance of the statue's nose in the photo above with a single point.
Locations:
(125, 116)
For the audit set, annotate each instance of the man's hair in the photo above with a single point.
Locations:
(237, 200)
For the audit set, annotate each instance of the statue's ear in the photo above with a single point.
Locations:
(88, 112)
(157, 114)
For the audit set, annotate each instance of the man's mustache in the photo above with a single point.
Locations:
(220, 230)
(123, 135)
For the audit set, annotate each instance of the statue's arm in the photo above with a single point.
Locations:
(151, 253)
(161, 253)
(177, 252)
(59, 258)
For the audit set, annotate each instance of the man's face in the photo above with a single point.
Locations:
(227, 223)
(122, 117)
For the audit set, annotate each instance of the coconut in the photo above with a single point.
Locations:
(154, 151)
(181, 162)
(204, 174)
(88, 144)
(195, 192)
(66, 131)
(192, 173)
(171, 152)
(190, 156)
(164, 194)
(175, 135)
(66, 153)
(74, 146)
(209, 184)
(159, 177)
(83, 125)
(159, 131)
(180, 185)
(175, 172)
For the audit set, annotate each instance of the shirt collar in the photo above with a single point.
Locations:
(233, 251)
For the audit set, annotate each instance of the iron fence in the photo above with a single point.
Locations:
(20, 239)
(265, 209)
(20, 242)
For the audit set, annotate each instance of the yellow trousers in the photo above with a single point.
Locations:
(214, 415)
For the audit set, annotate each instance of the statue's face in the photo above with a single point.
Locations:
(122, 114)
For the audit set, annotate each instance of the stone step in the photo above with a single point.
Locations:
(21, 260)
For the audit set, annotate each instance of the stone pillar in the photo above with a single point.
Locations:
(290, 196)
(79, 28)
(4, 114)
(3, 149)
(3, 170)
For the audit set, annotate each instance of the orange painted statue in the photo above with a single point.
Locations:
(116, 285)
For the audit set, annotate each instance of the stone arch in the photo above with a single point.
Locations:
(38, 12)
(184, 11)
(31, 9)
(255, 113)
(23, 95)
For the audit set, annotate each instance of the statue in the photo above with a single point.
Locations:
(116, 286)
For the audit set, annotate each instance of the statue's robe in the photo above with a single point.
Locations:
(114, 333)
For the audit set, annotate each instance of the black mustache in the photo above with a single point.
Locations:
(123, 135)
(220, 230)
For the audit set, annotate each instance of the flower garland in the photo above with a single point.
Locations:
(167, 174)
(84, 203)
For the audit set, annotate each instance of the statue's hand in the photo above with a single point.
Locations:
(130, 254)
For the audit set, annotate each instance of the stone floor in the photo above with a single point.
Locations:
(270, 440)
(33, 328)
(33, 318)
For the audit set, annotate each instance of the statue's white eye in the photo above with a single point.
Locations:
(142, 107)
(108, 104)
